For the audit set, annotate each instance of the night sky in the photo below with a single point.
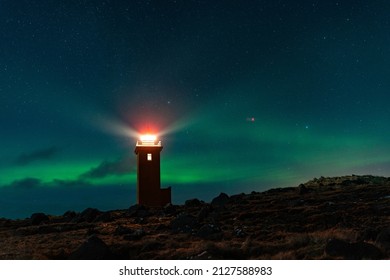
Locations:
(244, 95)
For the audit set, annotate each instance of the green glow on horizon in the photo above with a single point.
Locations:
(253, 152)
(126, 179)
(45, 172)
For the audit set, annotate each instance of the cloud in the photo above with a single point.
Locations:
(26, 183)
(118, 167)
(34, 183)
(43, 154)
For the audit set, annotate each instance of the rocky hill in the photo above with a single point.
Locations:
(327, 218)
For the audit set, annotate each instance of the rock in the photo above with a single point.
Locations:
(193, 202)
(140, 221)
(203, 213)
(183, 223)
(69, 215)
(237, 198)
(121, 230)
(135, 235)
(104, 217)
(296, 203)
(93, 249)
(138, 211)
(88, 215)
(366, 251)
(302, 189)
(209, 231)
(220, 200)
(38, 218)
(5, 222)
(92, 231)
(347, 183)
(161, 227)
(329, 203)
(25, 231)
(239, 232)
(169, 209)
(383, 239)
(337, 248)
(247, 216)
(368, 234)
(152, 246)
(45, 229)
(353, 251)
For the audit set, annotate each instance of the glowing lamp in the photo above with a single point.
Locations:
(148, 140)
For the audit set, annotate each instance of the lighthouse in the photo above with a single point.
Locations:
(149, 192)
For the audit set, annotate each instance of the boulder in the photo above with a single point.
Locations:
(368, 233)
(88, 215)
(193, 202)
(135, 235)
(139, 211)
(302, 189)
(203, 213)
(239, 232)
(352, 251)
(152, 246)
(121, 230)
(169, 209)
(383, 239)
(69, 216)
(210, 231)
(237, 198)
(38, 218)
(220, 200)
(141, 221)
(183, 223)
(104, 217)
(337, 248)
(93, 249)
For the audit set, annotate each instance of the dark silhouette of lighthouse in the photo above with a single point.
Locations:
(149, 192)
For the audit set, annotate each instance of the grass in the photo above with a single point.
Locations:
(277, 224)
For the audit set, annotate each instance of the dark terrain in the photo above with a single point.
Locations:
(328, 218)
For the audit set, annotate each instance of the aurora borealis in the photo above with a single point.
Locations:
(246, 95)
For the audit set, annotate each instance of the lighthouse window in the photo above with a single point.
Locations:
(149, 157)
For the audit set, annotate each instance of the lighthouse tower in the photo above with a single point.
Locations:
(149, 192)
